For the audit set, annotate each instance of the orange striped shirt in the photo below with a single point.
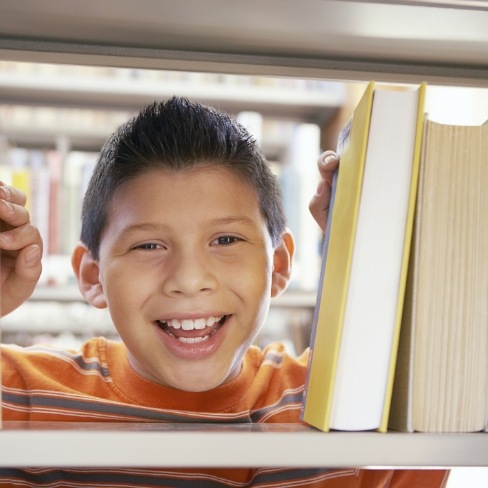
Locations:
(97, 383)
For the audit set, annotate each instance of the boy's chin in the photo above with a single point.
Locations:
(195, 377)
(201, 383)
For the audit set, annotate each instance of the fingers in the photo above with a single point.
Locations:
(21, 265)
(12, 210)
(18, 238)
(319, 204)
(12, 194)
(16, 232)
(28, 266)
(12, 215)
(327, 164)
(20, 250)
(21, 284)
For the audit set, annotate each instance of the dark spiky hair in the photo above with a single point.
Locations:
(177, 135)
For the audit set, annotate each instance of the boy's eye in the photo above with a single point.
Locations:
(226, 240)
(149, 246)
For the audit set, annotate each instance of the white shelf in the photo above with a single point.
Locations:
(119, 92)
(90, 134)
(398, 40)
(48, 135)
(71, 293)
(92, 138)
(60, 309)
(143, 445)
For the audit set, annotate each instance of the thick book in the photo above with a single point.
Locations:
(360, 298)
(441, 382)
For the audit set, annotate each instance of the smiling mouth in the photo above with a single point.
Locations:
(192, 331)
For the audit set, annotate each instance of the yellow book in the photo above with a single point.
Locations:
(359, 304)
(20, 172)
(441, 382)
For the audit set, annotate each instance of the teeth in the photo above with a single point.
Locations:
(200, 324)
(188, 324)
(193, 340)
(174, 323)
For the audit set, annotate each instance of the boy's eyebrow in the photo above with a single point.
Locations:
(148, 226)
(234, 220)
(126, 232)
(138, 227)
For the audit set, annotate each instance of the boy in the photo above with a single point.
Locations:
(184, 240)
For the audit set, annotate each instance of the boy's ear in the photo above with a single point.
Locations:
(87, 274)
(282, 264)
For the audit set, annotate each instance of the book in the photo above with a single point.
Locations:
(54, 158)
(18, 159)
(77, 168)
(441, 382)
(360, 298)
(40, 194)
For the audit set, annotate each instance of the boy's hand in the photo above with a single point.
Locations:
(20, 250)
(319, 205)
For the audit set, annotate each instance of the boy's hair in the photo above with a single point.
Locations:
(177, 135)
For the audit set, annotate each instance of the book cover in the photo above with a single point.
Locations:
(326, 330)
(359, 307)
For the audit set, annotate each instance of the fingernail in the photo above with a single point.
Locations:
(33, 255)
(328, 157)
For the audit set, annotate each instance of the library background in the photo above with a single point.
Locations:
(54, 117)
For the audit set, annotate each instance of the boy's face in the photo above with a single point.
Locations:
(187, 269)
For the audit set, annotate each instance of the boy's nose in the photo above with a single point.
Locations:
(189, 274)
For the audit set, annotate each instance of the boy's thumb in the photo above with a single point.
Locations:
(28, 267)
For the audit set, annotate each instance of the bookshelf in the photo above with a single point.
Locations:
(71, 293)
(59, 444)
(85, 104)
(60, 312)
(441, 42)
(74, 109)
(126, 89)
